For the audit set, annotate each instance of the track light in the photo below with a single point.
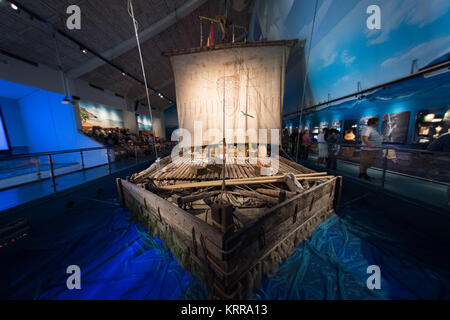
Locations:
(14, 6)
(84, 51)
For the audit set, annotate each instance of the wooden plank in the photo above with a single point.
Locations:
(296, 166)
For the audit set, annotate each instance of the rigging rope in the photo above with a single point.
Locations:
(306, 77)
(136, 27)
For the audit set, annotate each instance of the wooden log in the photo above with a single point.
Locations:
(253, 194)
(275, 193)
(239, 182)
(152, 169)
(195, 197)
(222, 216)
(293, 183)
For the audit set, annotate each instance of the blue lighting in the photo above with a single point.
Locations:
(4, 146)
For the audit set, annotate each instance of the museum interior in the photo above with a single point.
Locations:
(224, 149)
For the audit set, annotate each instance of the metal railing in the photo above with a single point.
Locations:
(415, 163)
(24, 169)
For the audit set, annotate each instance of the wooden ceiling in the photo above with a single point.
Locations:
(104, 26)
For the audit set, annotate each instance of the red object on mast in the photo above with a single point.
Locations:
(211, 36)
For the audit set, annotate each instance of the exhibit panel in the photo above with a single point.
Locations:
(350, 128)
(431, 124)
(395, 127)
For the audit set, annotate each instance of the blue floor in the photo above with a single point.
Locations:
(119, 260)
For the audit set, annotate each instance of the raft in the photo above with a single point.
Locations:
(231, 212)
(230, 248)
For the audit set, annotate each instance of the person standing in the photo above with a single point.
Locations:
(333, 149)
(306, 142)
(372, 143)
(323, 146)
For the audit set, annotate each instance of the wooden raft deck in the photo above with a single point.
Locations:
(230, 250)
(234, 170)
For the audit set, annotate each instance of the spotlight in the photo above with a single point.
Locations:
(84, 51)
(14, 6)
(123, 73)
(66, 100)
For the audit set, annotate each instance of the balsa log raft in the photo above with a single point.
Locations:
(231, 263)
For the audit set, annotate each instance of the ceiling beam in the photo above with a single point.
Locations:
(144, 35)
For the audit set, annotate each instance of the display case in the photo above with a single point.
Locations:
(431, 124)
(350, 128)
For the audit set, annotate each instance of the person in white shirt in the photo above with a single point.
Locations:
(372, 143)
(323, 147)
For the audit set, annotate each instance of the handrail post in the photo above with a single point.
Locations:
(82, 159)
(383, 178)
(109, 160)
(52, 172)
(38, 168)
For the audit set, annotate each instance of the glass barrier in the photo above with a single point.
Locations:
(416, 174)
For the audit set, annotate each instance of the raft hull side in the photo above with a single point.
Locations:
(232, 267)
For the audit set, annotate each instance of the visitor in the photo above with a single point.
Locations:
(333, 142)
(323, 147)
(294, 136)
(441, 144)
(306, 143)
(371, 145)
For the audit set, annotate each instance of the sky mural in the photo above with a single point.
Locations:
(343, 49)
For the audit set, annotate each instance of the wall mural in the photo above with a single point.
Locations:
(344, 51)
(395, 127)
(93, 114)
(144, 122)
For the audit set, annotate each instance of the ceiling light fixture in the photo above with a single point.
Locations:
(84, 51)
(14, 6)
(66, 100)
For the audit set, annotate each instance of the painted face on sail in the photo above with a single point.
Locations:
(228, 91)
